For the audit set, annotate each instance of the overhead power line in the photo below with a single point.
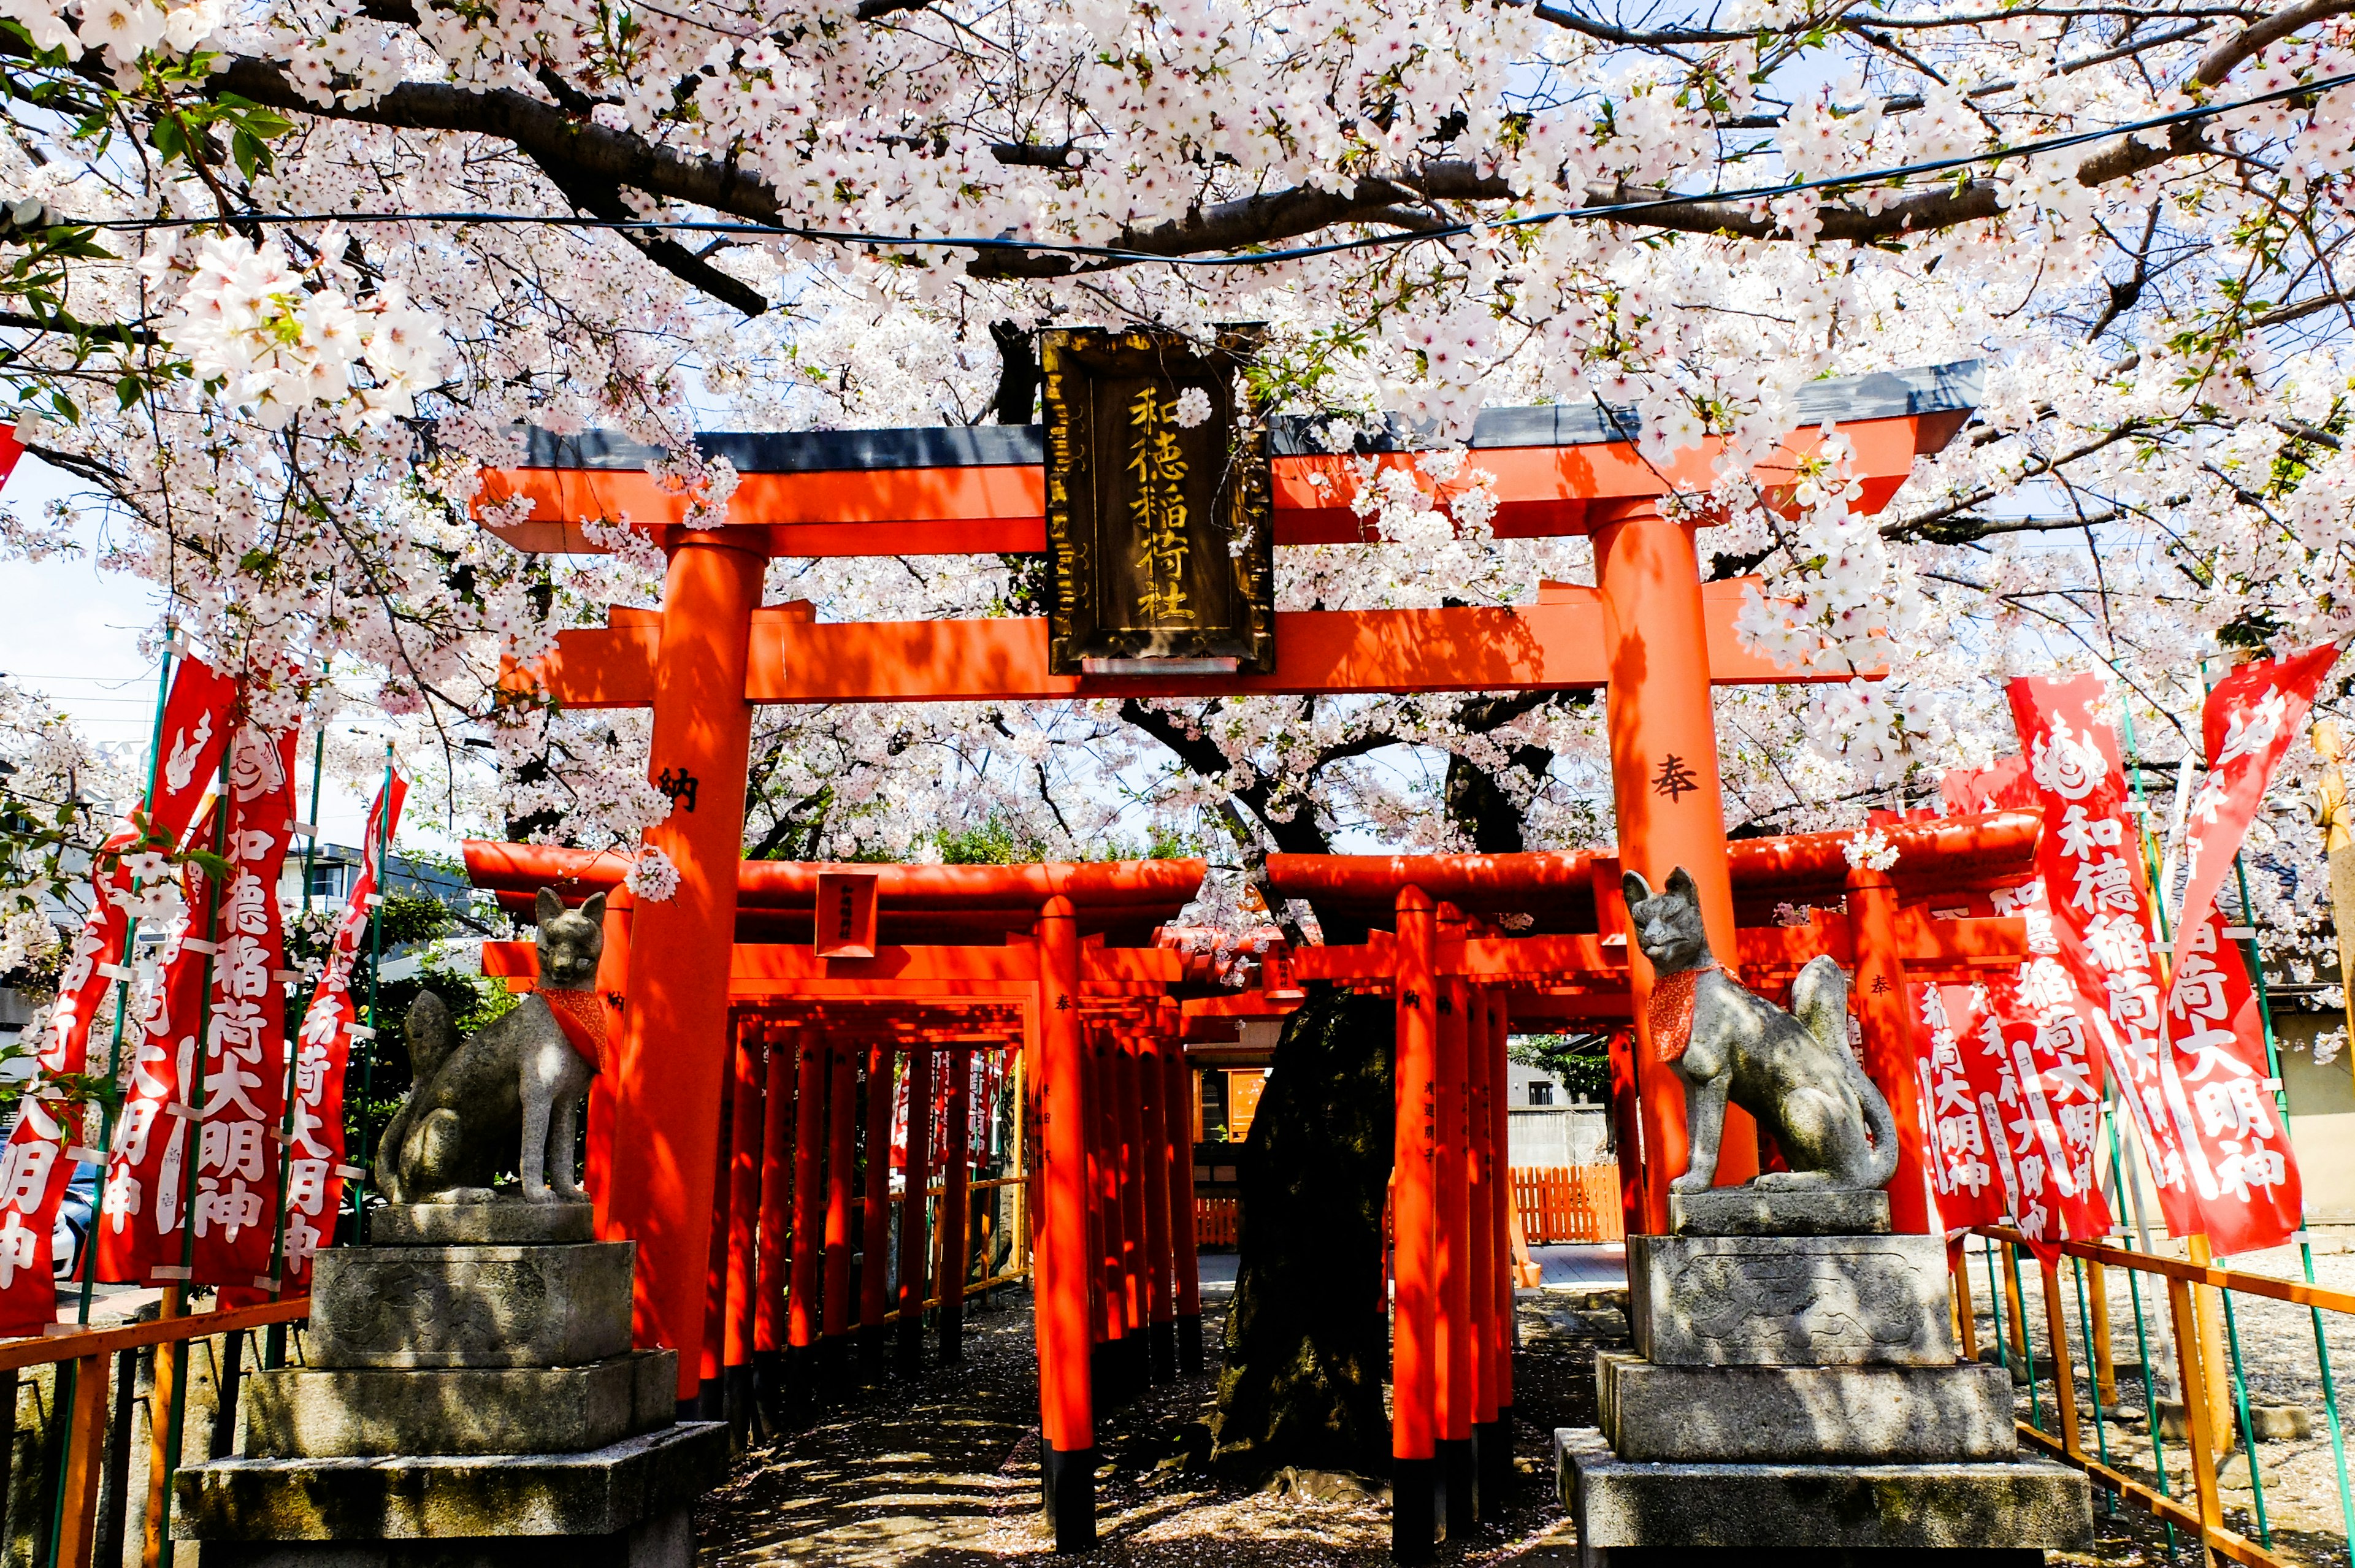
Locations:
(1609, 210)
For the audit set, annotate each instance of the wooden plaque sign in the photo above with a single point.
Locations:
(1162, 531)
(846, 915)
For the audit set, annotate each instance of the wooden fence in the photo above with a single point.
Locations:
(1214, 1221)
(1566, 1203)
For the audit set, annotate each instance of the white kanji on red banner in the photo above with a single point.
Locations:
(196, 716)
(2094, 997)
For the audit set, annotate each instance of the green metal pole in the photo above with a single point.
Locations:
(2027, 1340)
(2248, 1425)
(2150, 1399)
(2093, 1378)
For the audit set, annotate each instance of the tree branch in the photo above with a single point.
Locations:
(557, 139)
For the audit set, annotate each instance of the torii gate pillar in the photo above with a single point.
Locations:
(680, 947)
(1665, 789)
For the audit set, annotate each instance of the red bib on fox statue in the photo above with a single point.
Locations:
(581, 1016)
(1670, 1011)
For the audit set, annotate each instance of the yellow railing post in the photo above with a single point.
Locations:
(2064, 1383)
(169, 1356)
(2196, 1414)
(1967, 1327)
(2105, 1369)
(84, 1461)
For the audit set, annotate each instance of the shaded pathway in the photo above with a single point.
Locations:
(944, 1472)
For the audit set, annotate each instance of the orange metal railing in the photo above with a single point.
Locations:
(2177, 1479)
(91, 1418)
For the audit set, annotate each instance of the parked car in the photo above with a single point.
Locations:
(73, 1220)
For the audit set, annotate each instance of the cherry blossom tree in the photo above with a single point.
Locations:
(286, 274)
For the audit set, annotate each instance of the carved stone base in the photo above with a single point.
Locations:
(388, 1412)
(1790, 1300)
(2028, 1505)
(1778, 1212)
(1754, 1416)
(470, 1306)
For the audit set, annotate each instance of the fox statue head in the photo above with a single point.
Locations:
(570, 941)
(1666, 925)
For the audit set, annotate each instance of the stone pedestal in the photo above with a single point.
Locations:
(470, 1400)
(1795, 1390)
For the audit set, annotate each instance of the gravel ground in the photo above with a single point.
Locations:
(2300, 1476)
(944, 1472)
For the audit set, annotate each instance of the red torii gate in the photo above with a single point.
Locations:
(1456, 981)
(971, 940)
(1650, 630)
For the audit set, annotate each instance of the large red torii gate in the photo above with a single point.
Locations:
(1650, 631)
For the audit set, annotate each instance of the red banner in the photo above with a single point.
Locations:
(1968, 1089)
(2242, 1173)
(2094, 997)
(139, 1209)
(2004, 785)
(36, 1167)
(2248, 723)
(1970, 1166)
(245, 1041)
(315, 1171)
(235, 1093)
(2241, 1166)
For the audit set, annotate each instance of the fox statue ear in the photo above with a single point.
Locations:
(547, 906)
(593, 908)
(1680, 882)
(1634, 887)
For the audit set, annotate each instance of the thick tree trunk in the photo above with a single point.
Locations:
(1306, 1341)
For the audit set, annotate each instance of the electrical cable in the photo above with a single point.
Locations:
(1611, 210)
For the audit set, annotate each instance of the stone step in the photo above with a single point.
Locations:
(470, 1305)
(384, 1412)
(1754, 1416)
(1620, 1505)
(366, 1502)
(1746, 1300)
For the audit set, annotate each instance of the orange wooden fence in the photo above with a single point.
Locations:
(1566, 1203)
(1214, 1221)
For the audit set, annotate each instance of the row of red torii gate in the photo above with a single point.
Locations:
(747, 1005)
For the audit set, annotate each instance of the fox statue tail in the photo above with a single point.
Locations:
(1819, 1001)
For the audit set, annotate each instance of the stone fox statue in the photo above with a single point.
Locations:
(512, 1088)
(1791, 1070)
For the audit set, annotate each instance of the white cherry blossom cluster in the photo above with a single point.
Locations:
(280, 342)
